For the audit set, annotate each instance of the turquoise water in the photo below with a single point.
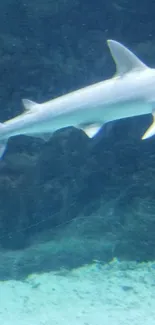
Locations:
(77, 215)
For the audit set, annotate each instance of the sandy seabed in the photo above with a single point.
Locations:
(118, 293)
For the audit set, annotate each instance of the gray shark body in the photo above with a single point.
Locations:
(131, 92)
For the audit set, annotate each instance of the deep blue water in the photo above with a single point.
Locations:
(48, 49)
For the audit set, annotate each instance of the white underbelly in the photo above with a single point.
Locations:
(127, 109)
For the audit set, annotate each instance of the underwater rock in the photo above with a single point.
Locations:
(41, 183)
(97, 189)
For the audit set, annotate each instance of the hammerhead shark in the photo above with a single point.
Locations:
(130, 92)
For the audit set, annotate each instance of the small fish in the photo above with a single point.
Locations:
(131, 92)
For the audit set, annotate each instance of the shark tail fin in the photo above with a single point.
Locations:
(3, 143)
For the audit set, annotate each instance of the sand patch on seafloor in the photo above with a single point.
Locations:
(115, 293)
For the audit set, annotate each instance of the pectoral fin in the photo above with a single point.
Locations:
(90, 129)
(151, 130)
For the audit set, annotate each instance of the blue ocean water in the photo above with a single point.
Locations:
(77, 215)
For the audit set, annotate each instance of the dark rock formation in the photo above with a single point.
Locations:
(73, 199)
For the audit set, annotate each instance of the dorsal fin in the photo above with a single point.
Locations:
(29, 105)
(125, 60)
